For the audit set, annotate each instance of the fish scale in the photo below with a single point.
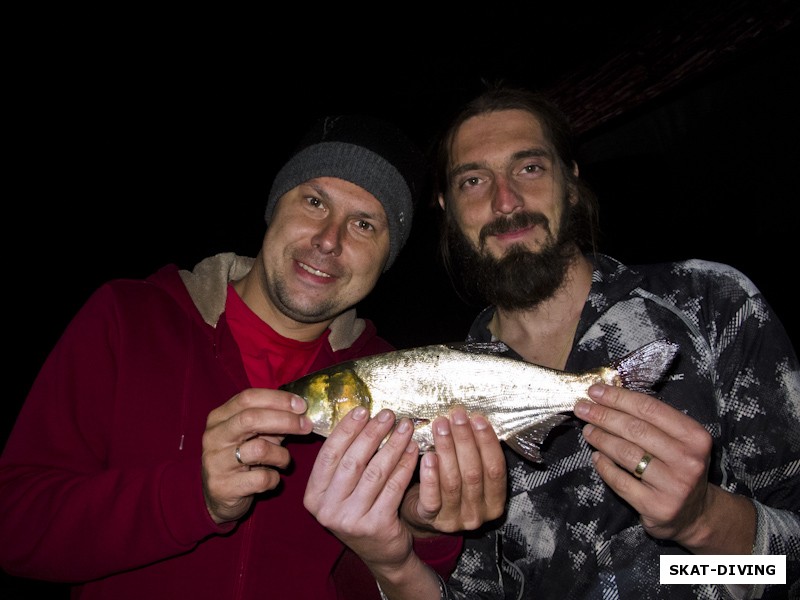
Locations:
(522, 401)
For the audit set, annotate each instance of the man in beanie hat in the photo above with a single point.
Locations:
(367, 152)
(155, 457)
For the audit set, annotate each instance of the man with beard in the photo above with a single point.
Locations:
(708, 466)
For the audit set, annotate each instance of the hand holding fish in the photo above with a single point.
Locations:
(522, 401)
(242, 448)
(358, 482)
(670, 490)
(463, 484)
(355, 489)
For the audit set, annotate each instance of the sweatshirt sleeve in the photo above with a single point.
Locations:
(440, 553)
(73, 503)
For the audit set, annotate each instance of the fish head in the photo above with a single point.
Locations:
(330, 394)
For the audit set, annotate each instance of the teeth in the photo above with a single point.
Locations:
(314, 271)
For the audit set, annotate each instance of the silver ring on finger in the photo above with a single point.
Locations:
(238, 455)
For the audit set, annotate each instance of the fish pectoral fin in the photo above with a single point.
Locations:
(527, 442)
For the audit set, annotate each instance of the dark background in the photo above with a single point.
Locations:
(143, 139)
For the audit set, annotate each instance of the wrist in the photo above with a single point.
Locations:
(713, 531)
(413, 580)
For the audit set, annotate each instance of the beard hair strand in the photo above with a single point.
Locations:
(521, 279)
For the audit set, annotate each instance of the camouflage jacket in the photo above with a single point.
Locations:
(565, 534)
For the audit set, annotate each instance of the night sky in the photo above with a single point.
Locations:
(133, 151)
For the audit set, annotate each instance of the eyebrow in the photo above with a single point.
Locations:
(380, 218)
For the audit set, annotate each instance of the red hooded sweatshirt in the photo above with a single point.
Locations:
(100, 481)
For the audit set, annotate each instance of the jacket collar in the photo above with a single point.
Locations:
(207, 284)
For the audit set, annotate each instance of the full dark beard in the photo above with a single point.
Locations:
(521, 279)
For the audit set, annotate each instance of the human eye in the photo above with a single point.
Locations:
(313, 201)
(365, 226)
(469, 182)
(532, 168)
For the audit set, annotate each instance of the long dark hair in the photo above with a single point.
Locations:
(584, 225)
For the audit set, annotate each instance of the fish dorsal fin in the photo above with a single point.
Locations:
(527, 442)
(643, 367)
(479, 347)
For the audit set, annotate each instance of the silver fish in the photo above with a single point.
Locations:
(522, 401)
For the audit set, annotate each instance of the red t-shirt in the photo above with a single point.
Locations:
(269, 358)
(272, 360)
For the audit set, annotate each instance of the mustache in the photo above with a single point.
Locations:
(516, 221)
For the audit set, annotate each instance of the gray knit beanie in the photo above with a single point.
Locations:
(368, 152)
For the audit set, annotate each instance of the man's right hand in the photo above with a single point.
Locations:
(242, 449)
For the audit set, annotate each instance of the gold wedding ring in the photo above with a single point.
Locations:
(640, 468)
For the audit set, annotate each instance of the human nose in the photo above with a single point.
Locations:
(328, 239)
(505, 199)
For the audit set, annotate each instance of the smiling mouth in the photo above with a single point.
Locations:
(515, 226)
(512, 235)
(514, 232)
(313, 271)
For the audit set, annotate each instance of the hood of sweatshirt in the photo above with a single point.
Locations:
(207, 285)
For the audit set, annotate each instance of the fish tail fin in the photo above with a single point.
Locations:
(644, 367)
(527, 442)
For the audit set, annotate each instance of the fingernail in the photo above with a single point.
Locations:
(480, 423)
(459, 416)
(442, 427)
(403, 425)
(412, 448)
(596, 390)
(581, 409)
(298, 404)
(385, 415)
(359, 413)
